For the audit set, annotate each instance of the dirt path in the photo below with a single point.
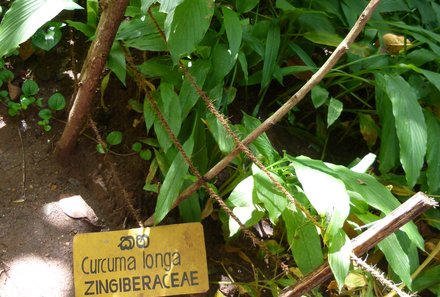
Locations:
(35, 234)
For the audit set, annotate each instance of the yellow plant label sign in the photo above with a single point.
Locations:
(158, 261)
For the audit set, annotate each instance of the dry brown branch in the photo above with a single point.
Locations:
(406, 212)
(283, 110)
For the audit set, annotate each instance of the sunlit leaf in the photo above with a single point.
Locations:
(304, 241)
(339, 253)
(330, 198)
(24, 17)
(410, 124)
(274, 201)
(190, 21)
(335, 108)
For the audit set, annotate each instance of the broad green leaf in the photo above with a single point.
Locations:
(30, 88)
(190, 21)
(25, 17)
(304, 240)
(319, 96)
(429, 278)
(389, 145)
(141, 33)
(222, 64)
(330, 198)
(270, 53)
(369, 190)
(85, 29)
(323, 38)
(396, 257)
(116, 62)
(172, 183)
(56, 102)
(114, 138)
(169, 105)
(246, 5)
(49, 36)
(188, 94)
(335, 108)
(233, 30)
(242, 204)
(262, 144)
(433, 152)
(339, 251)
(410, 124)
(224, 141)
(45, 114)
(265, 192)
(189, 209)
(169, 5)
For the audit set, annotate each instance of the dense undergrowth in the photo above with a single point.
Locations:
(251, 56)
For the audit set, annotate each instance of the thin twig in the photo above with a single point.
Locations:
(23, 169)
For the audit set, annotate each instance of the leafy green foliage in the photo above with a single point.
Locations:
(23, 19)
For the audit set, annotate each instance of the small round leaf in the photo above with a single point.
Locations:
(30, 88)
(100, 148)
(56, 102)
(145, 154)
(137, 146)
(114, 138)
(45, 114)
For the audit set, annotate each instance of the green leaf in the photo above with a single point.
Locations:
(389, 145)
(25, 17)
(335, 108)
(319, 96)
(233, 30)
(114, 138)
(172, 183)
(274, 201)
(56, 102)
(137, 146)
(427, 279)
(116, 62)
(222, 64)
(410, 124)
(339, 252)
(246, 5)
(6, 75)
(221, 137)
(271, 53)
(85, 29)
(188, 94)
(169, 105)
(433, 152)
(168, 6)
(369, 190)
(45, 114)
(145, 154)
(100, 148)
(29, 88)
(304, 240)
(330, 198)
(368, 129)
(190, 21)
(396, 257)
(47, 38)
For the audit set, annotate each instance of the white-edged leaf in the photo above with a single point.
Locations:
(242, 204)
(25, 17)
(326, 193)
(364, 164)
(410, 124)
(339, 252)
